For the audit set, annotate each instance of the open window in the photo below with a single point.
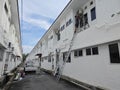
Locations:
(81, 20)
(86, 19)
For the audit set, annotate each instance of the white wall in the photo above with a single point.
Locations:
(50, 43)
(67, 33)
(46, 65)
(8, 34)
(105, 9)
(95, 70)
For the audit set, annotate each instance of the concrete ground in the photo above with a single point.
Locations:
(42, 82)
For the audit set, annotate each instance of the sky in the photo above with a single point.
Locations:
(38, 15)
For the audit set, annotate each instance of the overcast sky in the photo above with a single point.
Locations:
(38, 15)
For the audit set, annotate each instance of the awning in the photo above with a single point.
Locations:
(39, 54)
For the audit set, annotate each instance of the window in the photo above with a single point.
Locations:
(69, 59)
(93, 14)
(68, 22)
(51, 37)
(58, 35)
(88, 51)
(85, 7)
(92, 51)
(49, 59)
(64, 57)
(6, 9)
(86, 19)
(62, 28)
(78, 53)
(95, 51)
(114, 53)
(75, 53)
(91, 3)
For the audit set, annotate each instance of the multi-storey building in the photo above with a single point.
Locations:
(10, 36)
(95, 53)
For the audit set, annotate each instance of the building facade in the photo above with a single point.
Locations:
(10, 36)
(95, 53)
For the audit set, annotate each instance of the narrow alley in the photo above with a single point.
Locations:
(68, 44)
(42, 82)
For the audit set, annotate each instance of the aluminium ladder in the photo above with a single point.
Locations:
(66, 58)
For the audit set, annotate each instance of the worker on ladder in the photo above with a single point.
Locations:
(79, 20)
(76, 21)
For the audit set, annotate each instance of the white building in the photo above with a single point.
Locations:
(10, 36)
(95, 53)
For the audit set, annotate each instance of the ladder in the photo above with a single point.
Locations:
(66, 58)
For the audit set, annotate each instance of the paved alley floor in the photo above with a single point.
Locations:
(42, 82)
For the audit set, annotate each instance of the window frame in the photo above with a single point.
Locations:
(77, 53)
(58, 36)
(62, 27)
(6, 8)
(68, 22)
(80, 53)
(112, 54)
(86, 18)
(94, 52)
(69, 58)
(88, 52)
(93, 13)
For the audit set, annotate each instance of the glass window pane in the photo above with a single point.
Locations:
(88, 51)
(93, 14)
(95, 51)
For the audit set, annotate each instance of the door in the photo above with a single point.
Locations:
(114, 53)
